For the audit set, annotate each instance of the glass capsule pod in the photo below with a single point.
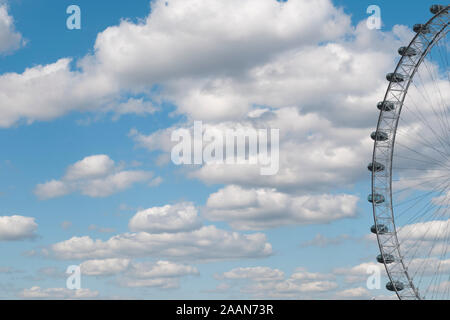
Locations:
(375, 167)
(407, 52)
(421, 28)
(379, 136)
(395, 286)
(388, 258)
(436, 8)
(376, 198)
(386, 106)
(382, 229)
(395, 77)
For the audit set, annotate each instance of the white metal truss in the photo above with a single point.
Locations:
(383, 211)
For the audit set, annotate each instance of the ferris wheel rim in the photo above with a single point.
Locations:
(384, 253)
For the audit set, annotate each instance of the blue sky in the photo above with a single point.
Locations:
(39, 147)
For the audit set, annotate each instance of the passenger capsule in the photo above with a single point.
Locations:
(421, 28)
(375, 167)
(379, 136)
(382, 229)
(386, 106)
(436, 8)
(375, 198)
(407, 52)
(395, 77)
(395, 286)
(388, 258)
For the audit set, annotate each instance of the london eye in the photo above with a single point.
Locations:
(411, 166)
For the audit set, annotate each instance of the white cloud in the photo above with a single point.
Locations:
(354, 293)
(114, 183)
(253, 273)
(90, 167)
(51, 189)
(428, 266)
(330, 154)
(196, 38)
(50, 91)
(133, 106)
(159, 140)
(17, 228)
(427, 239)
(205, 45)
(322, 97)
(10, 39)
(94, 176)
(169, 218)
(207, 243)
(162, 274)
(265, 282)
(213, 69)
(435, 230)
(264, 208)
(290, 289)
(104, 267)
(57, 293)
(160, 269)
(303, 275)
(163, 283)
(359, 273)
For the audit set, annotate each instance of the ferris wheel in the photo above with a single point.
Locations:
(411, 166)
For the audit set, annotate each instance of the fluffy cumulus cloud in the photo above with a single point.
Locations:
(44, 92)
(206, 243)
(354, 293)
(160, 269)
(207, 44)
(265, 208)
(174, 241)
(290, 289)
(254, 273)
(93, 176)
(200, 32)
(57, 293)
(359, 273)
(169, 218)
(10, 39)
(211, 68)
(17, 228)
(303, 275)
(265, 282)
(314, 153)
(429, 266)
(161, 274)
(104, 267)
(425, 239)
